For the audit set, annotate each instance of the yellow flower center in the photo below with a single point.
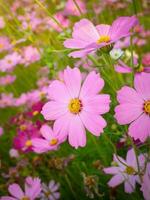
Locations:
(1, 46)
(130, 170)
(103, 38)
(75, 106)
(25, 198)
(35, 113)
(9, 61)
(53, 141)
(23, 127)
(28, 143)
(147, 107)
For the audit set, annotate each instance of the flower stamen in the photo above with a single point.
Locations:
(75, 106)
(103, 38)
(147, 107)
(53, 141)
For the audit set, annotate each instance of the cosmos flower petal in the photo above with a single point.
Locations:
(111, 170)
(52, 110)
(142, 84)
(62, 94)
(129, 188)
(121, 27)
(61, 125)
(77, 134)
(16, 191)
(127, 113)
(140, 128)
(81, 53)
(98, 104)
(103, 29)
(85, 30)
(116, 180)
(32, 187)
(46, 132)
(92, 85)
(133, 96)
(7, 198)
(72, 78)
(75, 43)
(93, 123)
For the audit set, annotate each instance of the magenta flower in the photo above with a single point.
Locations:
(76, 107)
(50, 140)
(32, 190)
(125, 171)
(134, 108)
(145, 185)
(88, 38)
(23, 140)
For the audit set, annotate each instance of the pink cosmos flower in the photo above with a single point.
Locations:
(32, 190)
(4, 43)
(88, 38)
(125, 171)
(134, 108)
(76, 107)
(8, 79)
(145, 185)
(2, 22)
(71, 8)
(8, 63)
(30, 55)
(50, 141)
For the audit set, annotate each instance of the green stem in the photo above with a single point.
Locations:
(136, 155)
(76, 4)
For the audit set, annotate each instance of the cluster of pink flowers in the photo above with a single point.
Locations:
(33, 189)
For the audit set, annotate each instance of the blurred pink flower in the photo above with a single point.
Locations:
(13, 153)
(2, 22)
(146, 60)
(23, 140)
(32, 190)
(6, 99)
(8, 79)
(50, 141)
(75, 107)
(8, 63)
(71, 8)
(125, 171)
(1, 131)
(30, 55)
(61, 19)
(88, 38)
(4, 43)
(146, 182)
(134, 108)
